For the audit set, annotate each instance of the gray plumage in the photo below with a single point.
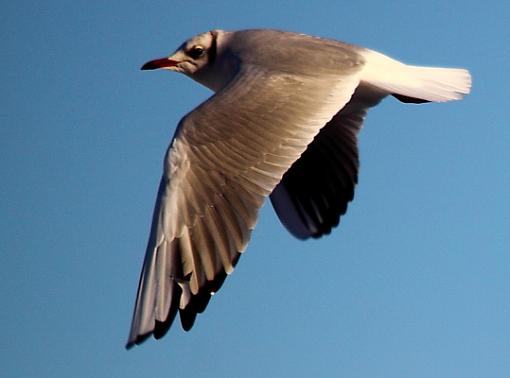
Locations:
(283, 122)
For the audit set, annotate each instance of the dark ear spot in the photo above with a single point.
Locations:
(213, 48)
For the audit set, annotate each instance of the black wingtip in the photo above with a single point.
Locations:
(140, 339)
(188, 317)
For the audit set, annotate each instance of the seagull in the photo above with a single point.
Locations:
(282, 123)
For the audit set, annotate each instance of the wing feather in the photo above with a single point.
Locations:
(315, 191)
(227, 156)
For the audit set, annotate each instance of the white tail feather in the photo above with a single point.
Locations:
(426, 83)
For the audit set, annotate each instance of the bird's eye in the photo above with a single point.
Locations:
(196, 52)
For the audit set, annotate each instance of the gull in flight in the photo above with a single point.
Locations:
(283, 122)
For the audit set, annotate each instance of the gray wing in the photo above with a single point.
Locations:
(316, 190)
(226, 157)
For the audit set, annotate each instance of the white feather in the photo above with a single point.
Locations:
(426, 83)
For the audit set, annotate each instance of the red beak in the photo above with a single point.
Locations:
(159, 63)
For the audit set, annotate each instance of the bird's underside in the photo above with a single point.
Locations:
(281, 124)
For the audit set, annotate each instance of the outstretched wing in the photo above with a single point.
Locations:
(316, 190)
(226, 157)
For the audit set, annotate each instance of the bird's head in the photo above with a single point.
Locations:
(192, 57)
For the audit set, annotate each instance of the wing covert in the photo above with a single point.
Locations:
(226, 157)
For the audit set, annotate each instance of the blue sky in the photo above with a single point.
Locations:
(414, 283)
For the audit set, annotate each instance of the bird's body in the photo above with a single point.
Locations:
(283, 122)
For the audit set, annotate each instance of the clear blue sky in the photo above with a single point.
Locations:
(414, 283)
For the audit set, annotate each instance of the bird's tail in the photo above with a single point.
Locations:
(413, 83)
